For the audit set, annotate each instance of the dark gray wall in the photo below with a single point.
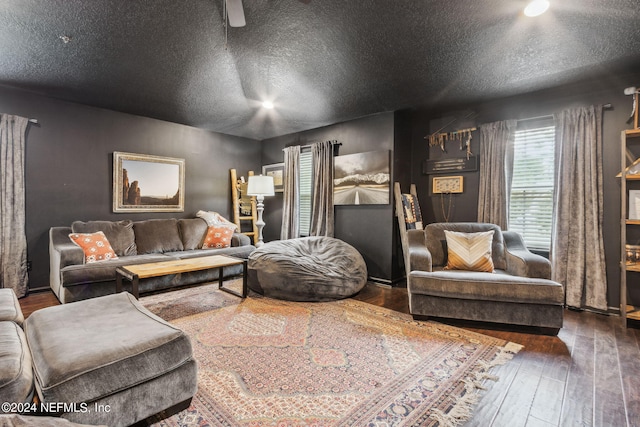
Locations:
(438, 207)
(533, 105)
(69, 165)
(369, 228)
(402, 155)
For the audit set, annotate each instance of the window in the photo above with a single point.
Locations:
(306, 188)
(531, 203)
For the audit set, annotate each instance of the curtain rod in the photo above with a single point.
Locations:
(309, 145)
(550, 116)
(546, 116)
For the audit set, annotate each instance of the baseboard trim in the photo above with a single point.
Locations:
(39, 289)
(614, 310)
(380, 280)
(610, 311)
(385, 282)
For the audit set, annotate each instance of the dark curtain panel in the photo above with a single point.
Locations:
(13, 239)
(291, 196)
(496, 172)
(322, 205)
(577, 248)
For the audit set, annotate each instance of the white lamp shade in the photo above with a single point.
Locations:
(260, 185)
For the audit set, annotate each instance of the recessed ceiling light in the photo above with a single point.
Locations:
(268, 105)
(536, 8)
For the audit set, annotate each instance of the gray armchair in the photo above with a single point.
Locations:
(518, 292)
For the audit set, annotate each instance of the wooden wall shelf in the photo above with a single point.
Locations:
(628, 311)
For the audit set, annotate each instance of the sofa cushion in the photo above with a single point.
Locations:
(10, 307)
(94, 348)
(119, 233)
(103, 271)
(497, 286)
(240, 239)
(192, 232)
(236, 251)
(16, 376)
(157, 236)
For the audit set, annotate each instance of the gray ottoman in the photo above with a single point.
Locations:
(307, 269)
(10, 307)
(113, 355)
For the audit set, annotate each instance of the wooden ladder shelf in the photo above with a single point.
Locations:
(402, 223)
(237, 196)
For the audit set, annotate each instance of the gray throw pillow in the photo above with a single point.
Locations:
(119, 234)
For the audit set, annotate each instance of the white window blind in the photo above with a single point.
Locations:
(531, 204)
(306, 180)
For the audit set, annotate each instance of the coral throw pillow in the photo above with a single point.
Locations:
(469, 251)
(95, 246)
(218, 236)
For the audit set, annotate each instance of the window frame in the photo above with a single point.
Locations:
(306, 183)
(533, 188)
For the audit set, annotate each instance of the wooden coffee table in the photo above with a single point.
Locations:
(135, 272)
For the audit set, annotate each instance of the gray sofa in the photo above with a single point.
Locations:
(134, 242)
(519, 292)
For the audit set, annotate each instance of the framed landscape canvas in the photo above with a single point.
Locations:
(362, 179)
(145, 183)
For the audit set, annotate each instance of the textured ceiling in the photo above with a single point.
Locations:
(320, 62)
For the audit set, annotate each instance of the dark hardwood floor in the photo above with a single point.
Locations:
(587, 375)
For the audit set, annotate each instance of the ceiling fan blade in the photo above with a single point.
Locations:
(235, 12)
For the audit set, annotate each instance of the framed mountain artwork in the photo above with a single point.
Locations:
(362, 179)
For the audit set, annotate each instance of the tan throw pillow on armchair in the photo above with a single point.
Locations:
(469, 251)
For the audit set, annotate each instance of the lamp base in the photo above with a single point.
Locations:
(260, 222)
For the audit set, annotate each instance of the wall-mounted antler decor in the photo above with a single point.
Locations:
(463, 136)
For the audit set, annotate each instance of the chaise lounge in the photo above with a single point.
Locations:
(518, 291)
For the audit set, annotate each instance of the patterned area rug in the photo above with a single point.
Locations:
(265, 362)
